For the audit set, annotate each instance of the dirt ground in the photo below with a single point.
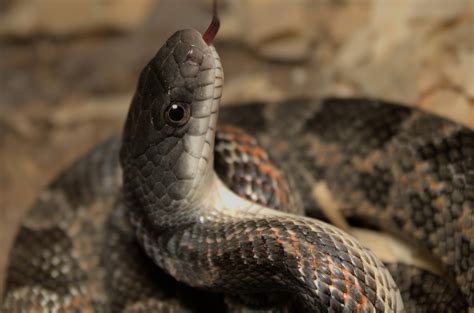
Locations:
(63, 89)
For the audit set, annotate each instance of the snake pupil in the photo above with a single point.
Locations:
(177, 114)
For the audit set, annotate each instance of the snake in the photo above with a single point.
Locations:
(184, 214)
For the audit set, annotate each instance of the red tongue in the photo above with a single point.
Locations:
(213, 28)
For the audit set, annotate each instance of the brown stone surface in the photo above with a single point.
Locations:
(415, 52)
(62, 92)
(26, 18)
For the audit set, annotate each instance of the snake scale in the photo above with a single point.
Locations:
(179, 211)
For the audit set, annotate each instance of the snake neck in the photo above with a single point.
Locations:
(212, 201)
(226, 236)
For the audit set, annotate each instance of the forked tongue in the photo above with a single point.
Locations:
(213, 28)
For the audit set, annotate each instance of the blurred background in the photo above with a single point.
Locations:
(68, 68)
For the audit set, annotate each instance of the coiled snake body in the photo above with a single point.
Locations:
(403, 171)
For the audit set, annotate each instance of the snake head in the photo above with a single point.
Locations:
(168, 139)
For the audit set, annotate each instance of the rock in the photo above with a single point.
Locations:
(460, 109)
(467, 71)
(275, 29)
(390, 78)
(81, 111)
(255, 87)
(415, 52)
(25, 18)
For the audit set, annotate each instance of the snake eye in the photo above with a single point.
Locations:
(177, 114)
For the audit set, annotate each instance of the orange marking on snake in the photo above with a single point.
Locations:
(76, 303)
(361, 304)
(268, 169)
(238, 134)
(258, 152)
(363, 299)
(246, 139)
(330, 265)
(346, 282)
(226, 128)
(314, 262)
(282, 196)
(276, 236)
(295, 247)
(265, 168)
(254, 151)
(440, 203)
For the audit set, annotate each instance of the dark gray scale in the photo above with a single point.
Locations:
(54, 254)
(127, 266)
(376, 186)
(153, 305)
(363, 193)
(262, 303)
(133, 281)
(44, 258)
(437, 158)
(248, 116)
(422, 292)
(37, 299)
(280, 134)
(345, 122)
(97, 173)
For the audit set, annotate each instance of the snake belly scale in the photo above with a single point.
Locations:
(109, 233)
